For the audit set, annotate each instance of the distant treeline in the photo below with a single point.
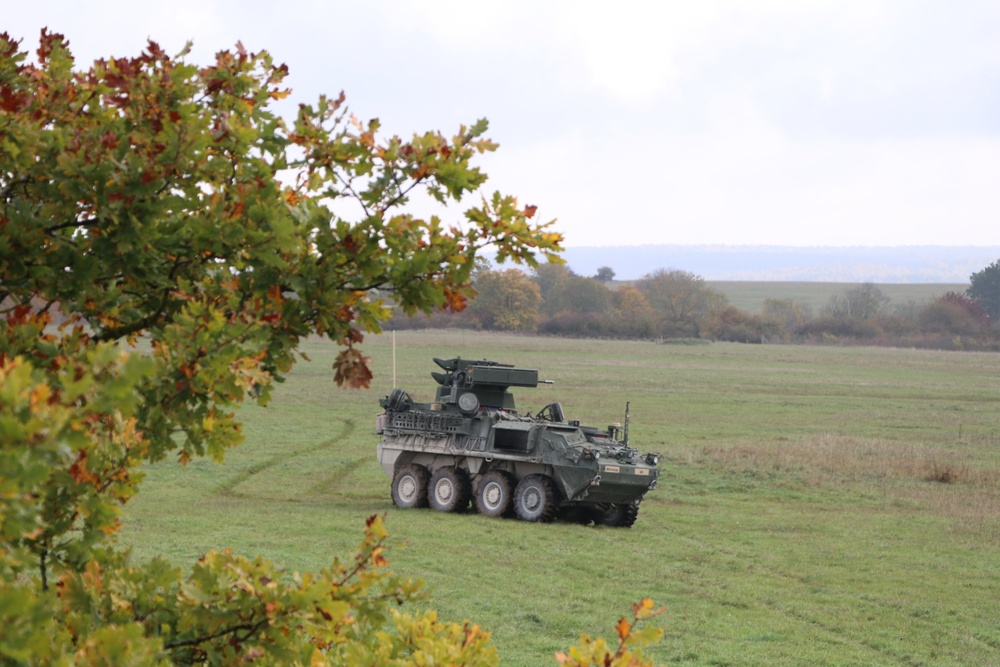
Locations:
(854, 264)
(672, 304)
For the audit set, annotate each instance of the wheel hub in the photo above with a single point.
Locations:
(407, 488)
(444, 492)
(492, 495)
(532, 499)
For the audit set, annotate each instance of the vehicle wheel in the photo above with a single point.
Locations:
(496, 493)
(409, 486)
(535, 499)
(621, 515)
(449, 490)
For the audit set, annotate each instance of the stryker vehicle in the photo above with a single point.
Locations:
(471, 444)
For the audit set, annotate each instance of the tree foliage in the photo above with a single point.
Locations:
(633, 312)
(579, 294)
(954, 313)
(507, 300)
(785, 311)
(681, 300)
(631, 639)
(149, 198)
(605, 273)
(729, 323)
(864, 302)
(984, 288)
(549, 278)
(669, 304)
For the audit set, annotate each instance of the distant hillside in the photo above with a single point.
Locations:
(749, 295)
(854, 264)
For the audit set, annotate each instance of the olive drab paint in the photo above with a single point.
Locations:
(471, 444)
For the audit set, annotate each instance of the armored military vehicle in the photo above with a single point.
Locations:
(471, 444)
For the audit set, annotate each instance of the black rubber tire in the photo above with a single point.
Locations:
(449, 489)
(536, 499)
(495, 496)
(409, 486)
(618, 515)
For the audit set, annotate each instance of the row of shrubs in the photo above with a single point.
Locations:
(946, 323)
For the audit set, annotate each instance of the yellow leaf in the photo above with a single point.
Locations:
(470, 635)
(377, 527)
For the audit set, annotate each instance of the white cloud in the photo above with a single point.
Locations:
(822, 122)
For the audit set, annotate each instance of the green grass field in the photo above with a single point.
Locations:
(749, 295)
(817, 505)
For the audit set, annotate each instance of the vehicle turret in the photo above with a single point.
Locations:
(487, 381)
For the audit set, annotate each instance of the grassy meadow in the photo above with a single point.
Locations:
(816, 505)
(749, 295)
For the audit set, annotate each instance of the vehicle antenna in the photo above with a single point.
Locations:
(625, 436)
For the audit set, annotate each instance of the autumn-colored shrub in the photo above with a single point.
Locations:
(955, 314)
(734, 325)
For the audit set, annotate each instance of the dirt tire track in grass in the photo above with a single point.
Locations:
(337, 475)
(228, 487)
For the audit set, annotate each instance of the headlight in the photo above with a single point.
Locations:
(652, 459)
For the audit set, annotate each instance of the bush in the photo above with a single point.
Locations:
(954, 313)
(836, 328)
(736, 326)
(577, 325)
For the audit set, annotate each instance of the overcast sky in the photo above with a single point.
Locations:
(790, 122)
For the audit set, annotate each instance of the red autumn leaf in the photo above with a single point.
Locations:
(45, 44)
(455, 301)
(78, 471)
(350, 245)
(11, 101)
(351, 369)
